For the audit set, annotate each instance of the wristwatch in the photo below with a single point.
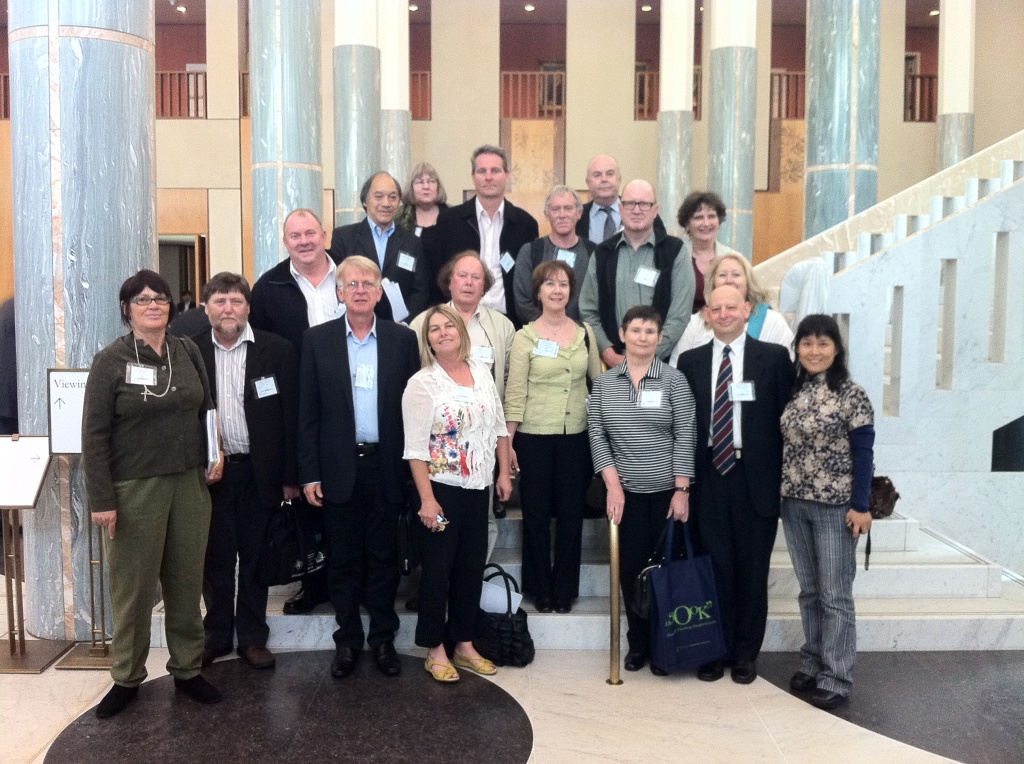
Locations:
(683, 488)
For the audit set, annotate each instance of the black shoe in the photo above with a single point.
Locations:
(302, 603)
(211, 654)
(711, 672)
(258, 656)
(413, 603)
(744, 672)
(499, 511)
(658, 671)
(802, 682)
(543, 605)
(563, 607)
(199, 689)
(827, 700)
(344, 662)
(635, 660)
(387, 659)
(116, 700)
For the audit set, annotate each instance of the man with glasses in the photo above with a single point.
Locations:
(639, 266)
(350, 446)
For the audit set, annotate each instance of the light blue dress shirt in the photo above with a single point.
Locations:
(364, 396)
(597, 217)
(380, 239)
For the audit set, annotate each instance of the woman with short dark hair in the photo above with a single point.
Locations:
(700, 215)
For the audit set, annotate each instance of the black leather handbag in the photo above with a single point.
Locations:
(504, 638)
(290, 549)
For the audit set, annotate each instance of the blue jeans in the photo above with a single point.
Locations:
(824, 552)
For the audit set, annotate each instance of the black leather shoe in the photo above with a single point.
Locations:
(210, 654)
(344, 662)
(199, 690)
(802, 682)
(387, 659)
(658, 671)
(827, 700)
(302, 603)
(635, 660)
(116, 700)
(543, 605)
(711, 672)
(413, 603)
(744, 672)
(563, 607)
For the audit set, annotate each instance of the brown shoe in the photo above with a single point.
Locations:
(257, 656)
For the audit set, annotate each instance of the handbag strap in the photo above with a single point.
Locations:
(688, 539)
(507, 578)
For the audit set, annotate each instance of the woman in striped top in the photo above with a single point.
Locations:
(642, 436)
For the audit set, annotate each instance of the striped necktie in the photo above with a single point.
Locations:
(723, 452)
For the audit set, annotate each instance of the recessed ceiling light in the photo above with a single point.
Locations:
(933, 13)
(414, 8)
(645, 8)
(181, 9)
(528, 8)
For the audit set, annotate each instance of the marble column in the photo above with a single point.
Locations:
(843, 45)
(956, 81)
(732, 111)
(287, 170)
(356, 104)
(395, 115)
(84, 193)
(675, 114)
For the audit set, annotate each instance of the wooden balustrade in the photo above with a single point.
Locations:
(532, 95)
(419, 95)
(788, 95)
(646, 95)
(920, 97)
(181, 95)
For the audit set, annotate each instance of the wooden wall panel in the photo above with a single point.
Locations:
(245, 152)
(182, 211)
(779, 215)
(6, 213)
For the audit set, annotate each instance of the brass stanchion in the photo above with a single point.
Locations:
(94, 654)
(613, 584)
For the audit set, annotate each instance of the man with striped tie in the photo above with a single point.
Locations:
(740, 387)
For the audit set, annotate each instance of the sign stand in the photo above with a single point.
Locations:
(23, 466)
(94, 654)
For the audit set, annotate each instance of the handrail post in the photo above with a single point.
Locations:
(615, 614)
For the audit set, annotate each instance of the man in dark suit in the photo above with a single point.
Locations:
(488, 224)
(354, 371)
(740, 387)
(398, 252)
(602, 215)
(254, 380)
(186, 302)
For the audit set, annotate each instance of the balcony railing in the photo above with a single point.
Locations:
(920, 97)
(532, 95)
(5, 95)
(419, 95)
(645, 103)
(181, 95)
(788, 91)
(243, 94)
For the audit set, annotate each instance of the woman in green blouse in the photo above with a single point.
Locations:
(546, 409)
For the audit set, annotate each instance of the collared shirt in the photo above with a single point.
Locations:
(597, 218)
(490, 253)
(736, 349)
(380, 239)
(321, 300)
(362, 364)
(522, 277)
(230, 367)
(649, 445)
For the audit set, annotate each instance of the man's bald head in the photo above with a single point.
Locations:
(639, 207)
(727, 312)
(603, 180)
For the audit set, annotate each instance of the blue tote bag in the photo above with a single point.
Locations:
(686, 627)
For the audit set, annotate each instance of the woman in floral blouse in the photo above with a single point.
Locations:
(828, 436)
(453, 422)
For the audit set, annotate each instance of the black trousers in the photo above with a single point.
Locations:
(238, 525)
(453, 565)
(555, 471)
(643, 519)
(362, 566)
(740, 544)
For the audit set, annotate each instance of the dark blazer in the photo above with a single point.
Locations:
(583, 224)
(278, 304)
(327, 424)
(457, 230)
(357, 239)
(768, 366)
(271, 420)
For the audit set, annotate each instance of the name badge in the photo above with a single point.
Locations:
(464, 394)
(741, 392)
(265, 387)
(364, 376)
(646, 276)
(484, 353)
(566, 257)
(419, 230)
(140, 374)
(650, 399)
(399, 310)
(507, 262)
(546, 348)
(406, 262)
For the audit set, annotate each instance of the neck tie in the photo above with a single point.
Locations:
(609, 223)
(723, 453)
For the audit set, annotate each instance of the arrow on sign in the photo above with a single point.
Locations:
(59, 403)
(34, 458)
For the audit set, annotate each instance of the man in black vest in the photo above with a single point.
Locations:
(640, 266)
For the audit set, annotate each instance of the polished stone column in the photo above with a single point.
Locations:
(732, 111)
(287, 170)
(675, 114)
(395, 116)
(956, 81)
(356, 104)
(84, 188)
(842, 111)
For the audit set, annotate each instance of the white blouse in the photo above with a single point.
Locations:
(697, 333)
(454, 429)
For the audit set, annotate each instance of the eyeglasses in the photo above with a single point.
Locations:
(364, 285)
(143, 301)
(632, 205)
